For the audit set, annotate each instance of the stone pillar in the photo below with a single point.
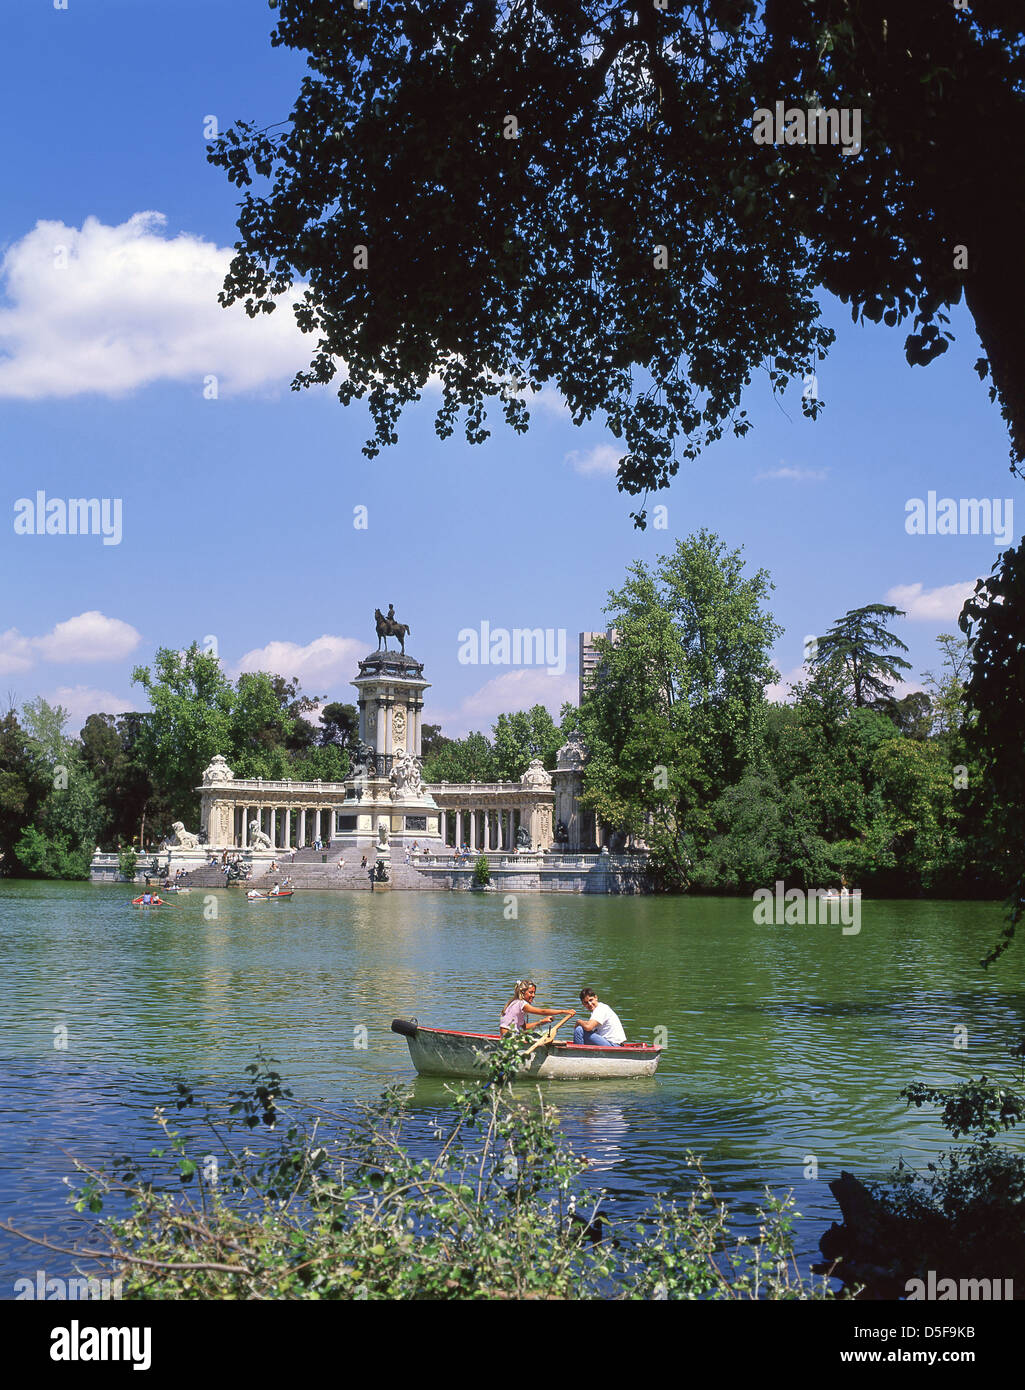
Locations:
(273, 832)
(316, 825)
(459, 828)
(417, 713)
(442, 826)
(379, 745)
(301, 837)
(288, 827)
(473, 829)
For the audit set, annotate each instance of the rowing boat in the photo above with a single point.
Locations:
(154, 902)
(255, 897)
(446, 1052)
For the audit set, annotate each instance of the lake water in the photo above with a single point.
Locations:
(783, 1042)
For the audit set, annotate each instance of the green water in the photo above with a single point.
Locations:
(783, 1043)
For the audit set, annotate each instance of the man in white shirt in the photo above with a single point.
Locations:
(603, 1028)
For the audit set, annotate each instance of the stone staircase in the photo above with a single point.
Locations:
(308, 871)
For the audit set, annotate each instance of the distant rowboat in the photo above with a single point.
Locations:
(255, 897)
(446, 1052)
(153, 902)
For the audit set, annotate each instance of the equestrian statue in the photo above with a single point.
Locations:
(388, 627)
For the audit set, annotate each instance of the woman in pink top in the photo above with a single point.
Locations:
(522, 1003)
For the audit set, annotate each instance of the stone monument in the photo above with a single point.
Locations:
(386, 790)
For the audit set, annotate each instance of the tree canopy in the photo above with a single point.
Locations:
(675, 710)
(862, 646)
(506, 196)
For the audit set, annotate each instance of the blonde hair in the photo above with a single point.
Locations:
(519, 991)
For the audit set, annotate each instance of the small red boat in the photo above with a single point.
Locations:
(153, 902)
(254, 897)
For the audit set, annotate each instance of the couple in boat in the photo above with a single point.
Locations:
(601, 1029)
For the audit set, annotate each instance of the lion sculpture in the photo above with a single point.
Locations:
(257, 839)
(184, 839)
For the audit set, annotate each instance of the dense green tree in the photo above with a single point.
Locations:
(760, 832)
(676, 709)
(431, 740)
(503, 195)
(469, 759)
(340, 725)
(913, 833)
(861, 644)
(191, 721)
(110, 752)
(521, 736)
(996, 698)
(913, 714)
(947, 690)
(328, 762)
(67, 818)
(260, 724)
(21, 787)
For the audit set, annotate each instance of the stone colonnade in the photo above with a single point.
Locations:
(292, 816)
(487, 816)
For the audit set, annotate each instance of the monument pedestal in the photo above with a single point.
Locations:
(385, 800)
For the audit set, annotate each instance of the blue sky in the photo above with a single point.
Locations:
(238, 511)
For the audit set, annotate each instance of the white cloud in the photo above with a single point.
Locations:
(130, 306)
(326, 661)
(89, 637)
(931, 605)
(519, 689)
(794, 475)
(603, 458)
(82, 700)
(15, 652)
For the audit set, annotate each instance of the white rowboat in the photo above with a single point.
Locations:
(446, 1052)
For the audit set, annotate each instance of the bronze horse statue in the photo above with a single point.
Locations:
(388, 627)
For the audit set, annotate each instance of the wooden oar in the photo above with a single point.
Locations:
(547, 1037)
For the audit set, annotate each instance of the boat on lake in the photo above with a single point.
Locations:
(153, 902)
(447, 1052)
(256, 897)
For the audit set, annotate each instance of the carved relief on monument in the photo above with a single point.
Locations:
(535, 775)
(572, 755)
(218, 771)
(398, 728)
(406, 778)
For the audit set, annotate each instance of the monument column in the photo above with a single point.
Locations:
(379, 745)
(288, 827)
(301, 838)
